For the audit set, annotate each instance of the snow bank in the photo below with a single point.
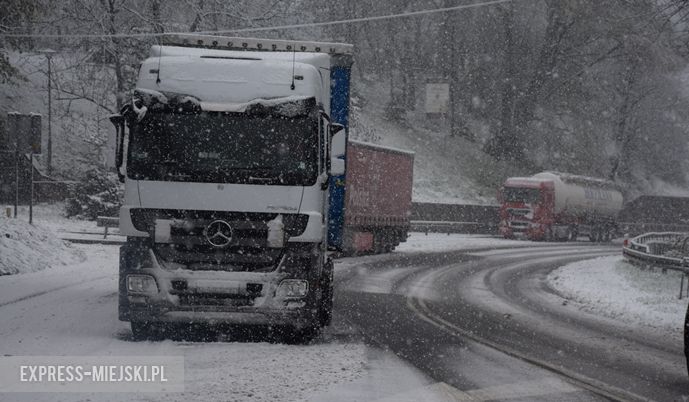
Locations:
(611, 287)
(29, 248)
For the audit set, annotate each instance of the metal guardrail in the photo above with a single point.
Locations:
(107, 222)
(452, 227)
(640, 228)
(649, 250)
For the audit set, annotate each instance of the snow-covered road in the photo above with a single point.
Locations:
(72, 310)
(377, 348)
(485, 323)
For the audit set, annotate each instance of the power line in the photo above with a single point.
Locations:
(263, 29)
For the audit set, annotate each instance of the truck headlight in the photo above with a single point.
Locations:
(141, 284)
(292, 288)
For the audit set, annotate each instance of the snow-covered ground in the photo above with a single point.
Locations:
(30, 248)
(72, 310)
(52, 216)
(612, 288)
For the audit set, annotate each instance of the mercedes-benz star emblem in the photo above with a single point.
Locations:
(218, 233)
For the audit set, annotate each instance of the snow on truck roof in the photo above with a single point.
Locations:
(207, 77)
(533, 182)
(256, 44)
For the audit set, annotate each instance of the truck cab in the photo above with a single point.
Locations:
(525, 207)
(227, 151)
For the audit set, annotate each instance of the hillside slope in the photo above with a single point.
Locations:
(446, 169)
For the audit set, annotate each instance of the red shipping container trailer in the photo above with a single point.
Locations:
(377, 198)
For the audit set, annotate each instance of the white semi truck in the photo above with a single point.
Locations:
(228, 150)
(559, 206)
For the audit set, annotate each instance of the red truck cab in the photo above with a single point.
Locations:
(526, 208)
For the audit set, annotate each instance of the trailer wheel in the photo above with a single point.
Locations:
(572, 234)
(606, 236)
(593, 236)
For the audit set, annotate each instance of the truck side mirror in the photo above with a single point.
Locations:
(335, 128)
(118, 121)
(337, 167)
(338, 147)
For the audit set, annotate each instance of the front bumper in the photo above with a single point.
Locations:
(219, 297)
(298, 318)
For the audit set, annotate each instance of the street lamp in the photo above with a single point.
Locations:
(48, 53)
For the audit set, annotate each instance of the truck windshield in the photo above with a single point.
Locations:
(225, 148)
(525, 195)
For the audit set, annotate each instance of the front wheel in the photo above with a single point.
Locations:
(142, 330)
(325, 312)
(302, 336)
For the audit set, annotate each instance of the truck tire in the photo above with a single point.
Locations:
(325, 312)
(572, 234)
(593, 236)
(142, 330)
(606, 236)
(302, 336)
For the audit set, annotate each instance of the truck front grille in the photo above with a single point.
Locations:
(517, 225)
(518, 211)
(144, 219)
(232, 259)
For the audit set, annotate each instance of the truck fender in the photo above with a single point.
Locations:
(131, 256)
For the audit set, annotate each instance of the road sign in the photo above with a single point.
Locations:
(24, 131)
(437, 98)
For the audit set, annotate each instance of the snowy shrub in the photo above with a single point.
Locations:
(99, 194)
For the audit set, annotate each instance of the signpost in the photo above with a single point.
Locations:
(24, 130)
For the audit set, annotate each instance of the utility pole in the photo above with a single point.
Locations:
(50, 115)
(48, 53)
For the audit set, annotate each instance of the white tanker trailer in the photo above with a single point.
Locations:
(559, 206)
